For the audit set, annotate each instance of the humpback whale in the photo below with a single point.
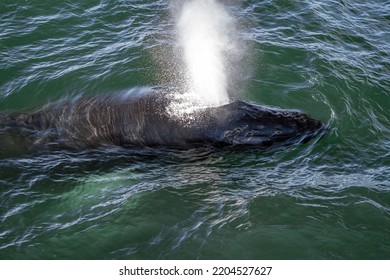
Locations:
(140, 120)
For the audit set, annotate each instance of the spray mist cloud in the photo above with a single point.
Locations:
(204, 35)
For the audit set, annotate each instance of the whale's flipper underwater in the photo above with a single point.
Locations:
(145, 120)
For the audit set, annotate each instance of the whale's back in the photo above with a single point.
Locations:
(145, 120)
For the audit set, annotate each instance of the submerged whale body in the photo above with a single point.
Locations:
(147, 120)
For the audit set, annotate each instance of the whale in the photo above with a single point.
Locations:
(145, 119)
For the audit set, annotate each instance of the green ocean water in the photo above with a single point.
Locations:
(326, 199)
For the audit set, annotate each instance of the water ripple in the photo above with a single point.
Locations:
(330, 59)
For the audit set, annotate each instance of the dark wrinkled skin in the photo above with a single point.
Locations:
(143, 120)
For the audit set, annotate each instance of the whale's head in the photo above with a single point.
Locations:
(241, 123)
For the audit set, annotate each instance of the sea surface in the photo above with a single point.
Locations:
(326, 199)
